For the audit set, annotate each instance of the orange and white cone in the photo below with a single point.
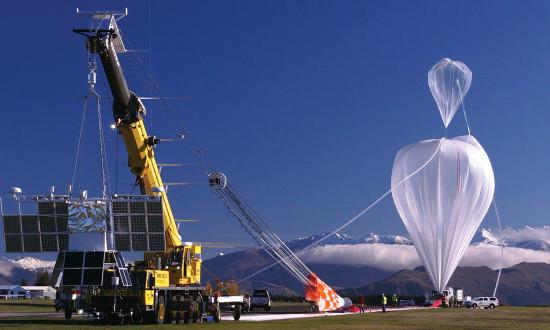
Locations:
(322, 295)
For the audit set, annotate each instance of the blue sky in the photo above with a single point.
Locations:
(303, 104)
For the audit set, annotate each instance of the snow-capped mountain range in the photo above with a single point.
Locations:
(29, 263)
(526, 238)
(347, 239)
(529, 238)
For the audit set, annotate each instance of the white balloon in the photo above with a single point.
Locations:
(443, 203)
(449, 81)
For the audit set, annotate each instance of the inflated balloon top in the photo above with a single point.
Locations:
(443, 188)
(449, 82)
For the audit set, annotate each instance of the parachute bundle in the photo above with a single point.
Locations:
(324, 296)
(443, 188)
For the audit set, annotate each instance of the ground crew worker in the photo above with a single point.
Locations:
(395, 300)
(384, 303)
(361, 303)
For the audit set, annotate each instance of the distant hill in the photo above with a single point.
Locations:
(522, 284)
(240, 264)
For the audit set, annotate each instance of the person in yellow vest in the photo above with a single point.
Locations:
(395, 300)
(384, 303)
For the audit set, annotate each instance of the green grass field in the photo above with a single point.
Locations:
(24, 305)
(500, 318)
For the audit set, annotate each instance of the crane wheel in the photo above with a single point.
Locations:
(161, 310)
(188, 314)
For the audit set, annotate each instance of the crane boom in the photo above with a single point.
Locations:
(127, 111)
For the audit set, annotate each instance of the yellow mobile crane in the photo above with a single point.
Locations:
(90, 273)
(165, 286)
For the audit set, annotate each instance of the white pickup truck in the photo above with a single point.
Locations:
(482, 302)
(237, 304)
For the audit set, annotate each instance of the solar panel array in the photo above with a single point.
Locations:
(137, 220)
(77, 268)
(83, 268)
(44, 232)
(138, 224)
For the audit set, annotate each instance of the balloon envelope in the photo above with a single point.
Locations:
(449, 81)
(443, 203)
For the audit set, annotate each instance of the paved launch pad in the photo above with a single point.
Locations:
(259, 317)
(249, 317)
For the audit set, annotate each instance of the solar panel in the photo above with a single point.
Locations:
(120, 207)
(46, 208)
(62, 224)
(78, 268)
(121, 223)
(122, 242)
(63, 240)
(139, 242)
(135, 219)
(14, 243)
(72, 276)
(75, 268)
(49, 242)
(154, 207)
(73, 259)
(47, 224)
(94, 259)
(119, 260)
(44, 231)
(156, 242)
(31, 243)
(138, 223)
(61, 208)
(124, 276)
(155, 223)
(29, 224)
(93, 277)
(12, 224)
(137, 207)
